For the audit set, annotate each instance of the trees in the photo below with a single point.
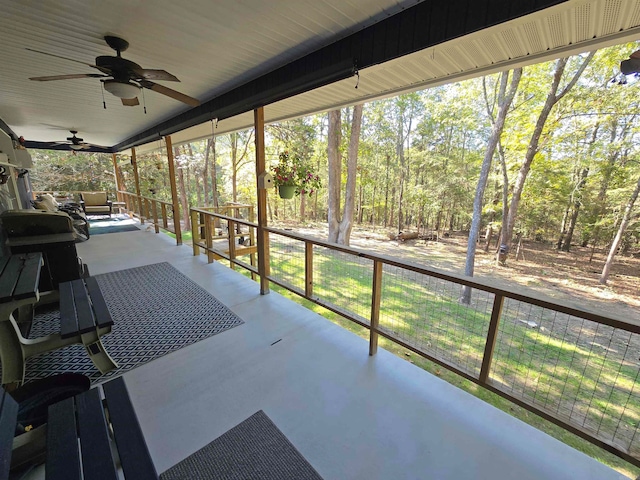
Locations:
(560, 169)
(346, 223)
(624, 222)
(334, 161)
(503, 101)
(340, 225)
(553, 96)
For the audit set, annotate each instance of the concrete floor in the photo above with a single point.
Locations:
(352, 416)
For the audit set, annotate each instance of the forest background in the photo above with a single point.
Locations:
(550, 152)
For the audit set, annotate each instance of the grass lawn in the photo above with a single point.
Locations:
(565, 365)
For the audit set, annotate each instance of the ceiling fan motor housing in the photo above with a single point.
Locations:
(120, 68)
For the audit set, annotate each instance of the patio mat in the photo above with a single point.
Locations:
(155, 309)
(111, 229)
(255, 449)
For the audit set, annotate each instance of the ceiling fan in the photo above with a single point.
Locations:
(74, 142)
(631, 65)
(121, 77)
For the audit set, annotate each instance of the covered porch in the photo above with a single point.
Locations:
(353, 410)
(351, 415)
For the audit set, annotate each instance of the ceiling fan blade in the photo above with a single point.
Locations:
(635, 54)
(150, 74)
(102, 69)
(130, 102)
(630, 66)
(170, 93)
(67, 77)
(63, 58)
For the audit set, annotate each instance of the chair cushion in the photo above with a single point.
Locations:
(46, 202)
(97, 209)
(94, 198)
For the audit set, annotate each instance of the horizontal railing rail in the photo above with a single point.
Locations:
(573, 366)
(221, 236)
(72, 195)
(151, 210)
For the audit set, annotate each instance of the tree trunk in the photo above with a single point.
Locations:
(576, 209)
(346, 223)
(196, 178)
(386, 193)
(604, 277)
(234, 167)
(552, 98)
(205, 172)
(607, 172)
(360, 200)
(333, 157)
(563, 227)
(504, 103)
(182, 192)
(303, 203)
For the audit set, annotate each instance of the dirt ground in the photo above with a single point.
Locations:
(566, 276)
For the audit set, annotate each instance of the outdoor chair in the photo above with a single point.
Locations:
(95, 203)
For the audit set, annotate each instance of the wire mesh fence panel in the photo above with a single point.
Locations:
(425, 312)
(287, 260)
(344, 280)
(580, 371)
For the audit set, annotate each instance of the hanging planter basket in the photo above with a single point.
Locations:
(286, 191)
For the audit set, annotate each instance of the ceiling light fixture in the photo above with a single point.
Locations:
(121, 89)
(73, 146)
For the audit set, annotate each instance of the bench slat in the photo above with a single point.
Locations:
(63, 457)
(134, 453)
(27, 286)
(103, 316)
(86, 322)
(97, 461)
(9, 278)
(68, 318)
(3, 262)
(8, 418)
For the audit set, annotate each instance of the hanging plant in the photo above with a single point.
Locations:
(291, 176)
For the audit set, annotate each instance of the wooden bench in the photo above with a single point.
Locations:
(84, 314)
(84, 317)
(81, 432)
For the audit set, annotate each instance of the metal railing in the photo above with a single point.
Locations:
(576, 368)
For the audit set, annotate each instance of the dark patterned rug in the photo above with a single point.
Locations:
(112, 229)
(255, 449)
(155, 309)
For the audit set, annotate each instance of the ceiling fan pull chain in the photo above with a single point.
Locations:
(144, 102)
(104, 103)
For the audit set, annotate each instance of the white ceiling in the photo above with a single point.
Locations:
(214, 46)
(208, 45)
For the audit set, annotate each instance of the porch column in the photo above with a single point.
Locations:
(117, 177)
(263, 236)
(134, 162)
(174, 191)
